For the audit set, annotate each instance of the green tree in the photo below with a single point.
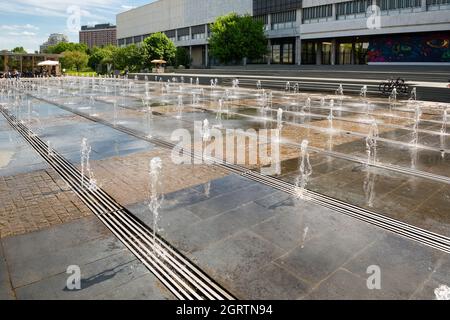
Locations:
(158, 46)
(67, 46)
(182, 57)
(235, 37)
(19, 50)
(74, 60)
(101, 58)
(130, 57)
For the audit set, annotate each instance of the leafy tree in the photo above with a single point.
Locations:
(158, 46)
(77, 60)
(182, 57)
(67, 46)
(235, 37)
(19, 50)
(129, 57)
(101, 59)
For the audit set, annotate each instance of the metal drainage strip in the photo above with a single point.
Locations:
(179, 275)
(406, 230)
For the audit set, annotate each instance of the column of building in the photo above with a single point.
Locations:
(206, 47)
(298, 39)
(423, 5)
(269, 42)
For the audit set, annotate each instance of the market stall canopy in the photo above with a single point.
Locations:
(158, 61)
(48, 63)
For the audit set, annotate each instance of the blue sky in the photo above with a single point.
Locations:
(28, 23)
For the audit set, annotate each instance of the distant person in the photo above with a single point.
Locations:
(16, 74)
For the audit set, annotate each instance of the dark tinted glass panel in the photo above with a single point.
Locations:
(183, 32)
(270, 6)
(198, 29)
(170, 33)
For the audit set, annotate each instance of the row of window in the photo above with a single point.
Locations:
(398, 4)
(197, 32)
(437, 2)
(360, 7)
(283, 20)
(287, 19)
(318, 12)
(352, 7)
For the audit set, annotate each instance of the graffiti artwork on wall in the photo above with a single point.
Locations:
(432, 47)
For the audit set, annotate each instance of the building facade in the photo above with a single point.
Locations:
(25, 63)
(99, 35)
(53, 40)
(308, 31)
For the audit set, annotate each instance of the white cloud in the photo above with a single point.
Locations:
(126, 8)
(52, 16)
(58, 8)
(8, 42)
(17, 27)
(23, 33)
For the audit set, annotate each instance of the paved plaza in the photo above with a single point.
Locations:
(253, 239)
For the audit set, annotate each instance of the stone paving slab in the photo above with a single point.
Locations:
(6, 292)
(32, 257)
(132, 184)
(142, 288)
(36, 200)
(286, 248)
(344, 285)
(38, 263)
(15, 156)
(402, 273)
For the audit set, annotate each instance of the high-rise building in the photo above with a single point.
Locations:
(53, 40)
(308, 31)
(99, 35)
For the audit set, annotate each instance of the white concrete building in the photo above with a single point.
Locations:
(308, 31)
(53, 40)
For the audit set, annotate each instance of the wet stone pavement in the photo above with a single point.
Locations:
(256, 241)
(45, 228)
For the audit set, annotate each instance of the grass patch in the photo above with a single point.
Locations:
(81, 73)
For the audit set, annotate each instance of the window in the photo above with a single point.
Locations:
(284, 20)
(438, 4)
(288, 53)
(264, 19)
(171, 34)
(261, 7)
(198, 32)
(276, 49)
(317, 14)
(399, 5)
(183, 34)
(352, 9)
(198, 36)
(358, 8)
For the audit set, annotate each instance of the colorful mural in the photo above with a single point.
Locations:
(430, 47)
